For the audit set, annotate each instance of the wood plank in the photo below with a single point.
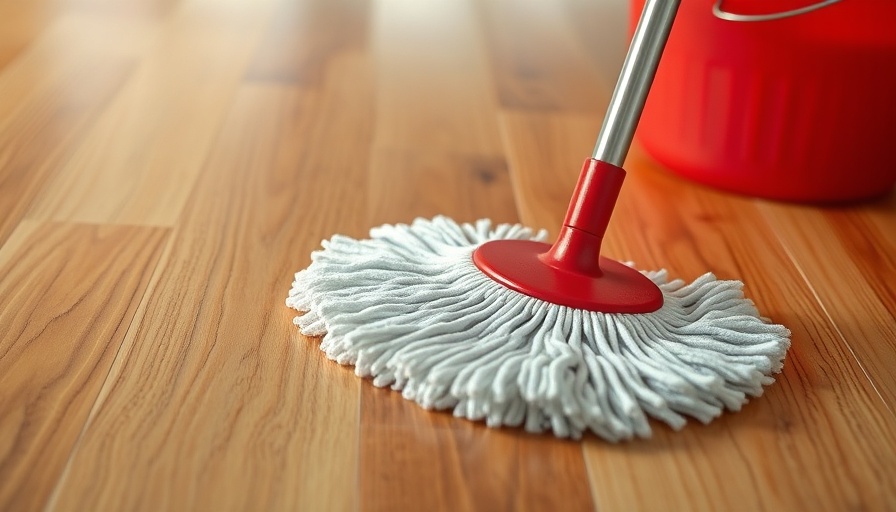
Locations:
(412, 459)
(436, 143)
(156, 368)
(162, 124)
(227, 406)
(823, 413)
(301, 40)
(410, 183)
(48, 98)
(602, 29)
(68, 293)
(437, 151)
(848, 255)
(70, 48)
(538, 61)
(882, 213)
(433, 79)
(558, 145)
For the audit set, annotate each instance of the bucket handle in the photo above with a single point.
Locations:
(730, 16)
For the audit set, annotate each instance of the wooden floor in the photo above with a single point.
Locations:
(166, 165)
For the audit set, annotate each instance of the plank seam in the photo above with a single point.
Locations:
(821, 304)
(135, 320)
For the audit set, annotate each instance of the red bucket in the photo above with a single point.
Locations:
(796, 106)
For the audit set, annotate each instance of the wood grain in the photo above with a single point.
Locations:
(166, 165)
(44, 108)
(68, 293)
(431, 157)
(433, 86)
(546, 153)
(303, 37)
(751, 460)
(410, 183)
(601, 29)
(537, 60)
(161, 125)
(217, 384)
(858, 249)
(452, 165)
(412, 459)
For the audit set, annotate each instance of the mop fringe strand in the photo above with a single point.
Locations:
(409, 309)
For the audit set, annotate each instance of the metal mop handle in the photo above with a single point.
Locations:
(571, 272)
(577, 248)
(634, 81)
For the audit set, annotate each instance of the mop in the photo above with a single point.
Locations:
(496, 325)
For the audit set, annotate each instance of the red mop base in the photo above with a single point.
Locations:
(524, 266)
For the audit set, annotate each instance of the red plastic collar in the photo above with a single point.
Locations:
(571, 272)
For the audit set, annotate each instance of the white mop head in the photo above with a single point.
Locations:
(409, 308)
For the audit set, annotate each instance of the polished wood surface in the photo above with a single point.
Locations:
(166, 165)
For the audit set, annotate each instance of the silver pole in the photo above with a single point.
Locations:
(634, 82)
